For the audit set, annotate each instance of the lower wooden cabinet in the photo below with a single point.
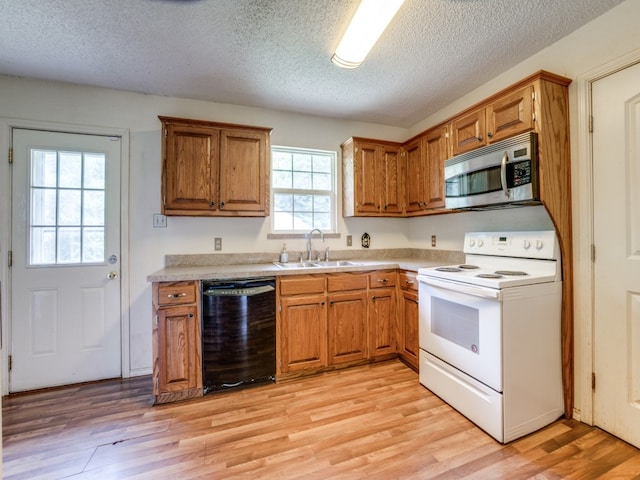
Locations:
(303, 333)
(408, 319)
(347, 321)
(382, 313)
(177, 356)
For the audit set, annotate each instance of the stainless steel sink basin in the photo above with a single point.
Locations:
(295, 265)
(336, 263)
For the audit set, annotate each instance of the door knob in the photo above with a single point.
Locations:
(112, 275)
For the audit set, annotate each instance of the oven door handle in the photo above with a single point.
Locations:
(456, 287)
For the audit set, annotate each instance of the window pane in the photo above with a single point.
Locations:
(322, 203)
(70, 170)
(282, 179)
(44, 167)
(281, 160)
(303, 203)
(69, 245)
(302, 162)
(94, 170)
(43, 246)
(322, 221)
(43, 206)
(303, 221)
(93, 208)
(282, 202)
(302, 180)
(69, 209)
(321, 181)
(93, 244)
(322, 164)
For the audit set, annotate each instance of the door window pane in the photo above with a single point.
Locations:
(67, 211)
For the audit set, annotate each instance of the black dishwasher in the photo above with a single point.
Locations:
(238, 332)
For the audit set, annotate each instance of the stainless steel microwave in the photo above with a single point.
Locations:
(498, 175)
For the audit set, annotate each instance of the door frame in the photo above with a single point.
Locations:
(6, 127)
(583, 223)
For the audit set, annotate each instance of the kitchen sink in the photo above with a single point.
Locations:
(335, 263)
(295, 265)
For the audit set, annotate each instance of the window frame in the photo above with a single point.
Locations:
(333, 193)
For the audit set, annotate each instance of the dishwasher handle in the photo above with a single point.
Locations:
(238, 292)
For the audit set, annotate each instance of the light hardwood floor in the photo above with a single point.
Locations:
(369, 422)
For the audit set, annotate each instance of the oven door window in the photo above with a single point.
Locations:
(456, 323)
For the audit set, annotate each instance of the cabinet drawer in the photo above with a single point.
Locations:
(346, 281)
(175, 293)
(301, 284)
(408, 280)
(386, 278)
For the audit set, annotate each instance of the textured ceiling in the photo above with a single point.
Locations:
(276, 53)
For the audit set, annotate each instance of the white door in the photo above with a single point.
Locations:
(616, 185)
(65, 285)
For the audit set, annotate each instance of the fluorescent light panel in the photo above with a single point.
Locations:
(366, 26)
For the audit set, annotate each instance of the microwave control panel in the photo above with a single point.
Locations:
(520, 173)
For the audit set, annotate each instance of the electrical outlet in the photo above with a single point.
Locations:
(433, 240)
(349, 240)
(217, 244)
(159, 220)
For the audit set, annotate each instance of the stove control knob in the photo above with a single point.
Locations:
(526, 244)
(472, 243)
(539, 244)
(480, 243)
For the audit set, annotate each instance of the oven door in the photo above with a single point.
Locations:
(461, 324)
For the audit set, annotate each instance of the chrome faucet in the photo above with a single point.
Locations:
(309, 240)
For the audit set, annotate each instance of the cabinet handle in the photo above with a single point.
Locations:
(190, 315)
(409, 282)
(321, 303)
(373, 297)
(212, 204)
(385, 207)
(479, 138)
(177, 295)
(221, 204)
(331, 302)
(383, 280)
(489, 134)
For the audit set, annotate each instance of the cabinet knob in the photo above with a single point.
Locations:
(190, 315)
(212, 204)
(221, 204)
(479, 138)
(489, 134)
(383, 280)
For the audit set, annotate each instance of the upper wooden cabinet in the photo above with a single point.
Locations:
(373, 178)
(214, 169)
(510, 114)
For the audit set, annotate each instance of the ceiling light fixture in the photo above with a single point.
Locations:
(366, 26)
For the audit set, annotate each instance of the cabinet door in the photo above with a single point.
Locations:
(436, 148)
(468, 132)
(409, 342)
(303, 342)
(178, 364)
(382, 321)
(390, 176)
(510, 115)
(416, 177)
(367, 188)
(347, 326)
(189, 168)
(244, 166)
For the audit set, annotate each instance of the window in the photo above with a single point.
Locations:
(67, 192)
(303, 186)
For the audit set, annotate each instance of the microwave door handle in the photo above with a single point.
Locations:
(503, 174)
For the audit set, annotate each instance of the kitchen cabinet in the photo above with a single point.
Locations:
(382, 313)
(301, 323)
(408, 337)
(425, 171)
(373, 178)
(176, 333)
(347, 317)
(214, 169)
(505, 116)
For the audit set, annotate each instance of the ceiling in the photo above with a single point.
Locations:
(276, 54)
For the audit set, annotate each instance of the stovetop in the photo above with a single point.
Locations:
(504, 259)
